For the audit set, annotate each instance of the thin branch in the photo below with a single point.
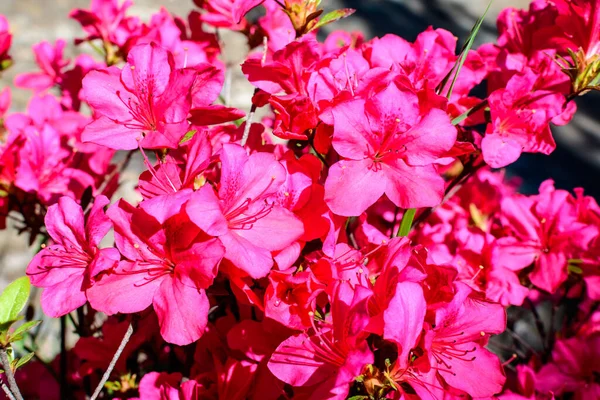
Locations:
(7, 391)
(249, 121)
(9, 375)
(64, 389)
(113, 362)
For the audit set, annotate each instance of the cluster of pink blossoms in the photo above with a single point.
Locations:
(352, 242)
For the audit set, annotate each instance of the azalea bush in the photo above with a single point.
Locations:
(350, 235)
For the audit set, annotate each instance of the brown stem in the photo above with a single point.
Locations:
(9, 375)
(249, 121)
(7, 391)
(113, 362)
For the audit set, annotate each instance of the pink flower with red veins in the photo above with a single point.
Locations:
(146, 103)
(574, 368)
(543, 230)
(455, 344)
(389, 144)
(50, 60)
(333, 353)
(168, 263)
(242, 215)
(520, 120)
(66, 268)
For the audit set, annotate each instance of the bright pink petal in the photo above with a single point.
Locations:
(489, 378)
(254, 260)
(129, 289)
(404, 318)
(413, 187)
(204, 210)
(67, 296)
(148, 70)
(277, 230)
(104, 131)
(499, 152)
(182, 312)
(353, 186)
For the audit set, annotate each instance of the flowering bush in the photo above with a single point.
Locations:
(352, 242)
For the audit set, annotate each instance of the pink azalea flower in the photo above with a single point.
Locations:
(330, 356)
(544, 231)
(168, 264)
(66, 268)
(147, 102)
(455, 344)
(44, 166)
(388, 150)
(5, 42)
(426, 61)
(240, 214)
(226, 13)
(106, 20)
(574, 368)
(520, 121)
(50, 60)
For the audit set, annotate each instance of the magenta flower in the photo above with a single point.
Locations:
(331, 355)
(241, 214)
(544, 231)
(65, 269)
(106, 20)
(574, 368)
(520, 120)
(147, 102)
(455, 344)
(5, 42)
(50, 60)
(226, 13)
(389, 143)
(168, 263)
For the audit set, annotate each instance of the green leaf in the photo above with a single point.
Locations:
(332, 17)
(5, 64)
(461, 117)
(21, 330)
(23, 360)
(27, 326)
(13, 299)
(188, 136)
(463, 55)
(406, 224)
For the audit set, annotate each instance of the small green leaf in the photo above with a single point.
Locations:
(5, 64)
(188, 136)
(461, 117)
(406, 224)
(463, 55)
(23, 360)
(332, 17)
(27, 326)
(13, 299)
(21, 330)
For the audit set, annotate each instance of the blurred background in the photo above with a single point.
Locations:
(576, 162)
